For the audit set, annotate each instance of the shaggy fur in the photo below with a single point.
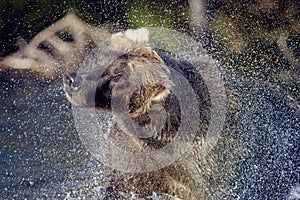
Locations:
(141, 77)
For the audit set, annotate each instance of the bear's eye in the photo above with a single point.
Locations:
(116, 78)
(121, 69)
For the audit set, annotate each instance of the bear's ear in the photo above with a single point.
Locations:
(149, 53)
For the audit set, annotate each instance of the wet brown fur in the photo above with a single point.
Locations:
(145, 71)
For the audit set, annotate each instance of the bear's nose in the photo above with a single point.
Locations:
(72, 80)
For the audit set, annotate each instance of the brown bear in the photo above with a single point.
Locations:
(140, 76)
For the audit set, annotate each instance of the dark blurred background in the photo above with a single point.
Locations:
(242, 35)
(26, 18)
(236, 23)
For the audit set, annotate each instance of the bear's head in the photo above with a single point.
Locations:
(140, 77)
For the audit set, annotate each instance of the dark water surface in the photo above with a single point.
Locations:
(41, 155)
(267, 125)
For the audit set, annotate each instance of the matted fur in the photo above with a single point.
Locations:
(142, 70)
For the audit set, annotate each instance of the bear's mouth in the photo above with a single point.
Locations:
(67, 92)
